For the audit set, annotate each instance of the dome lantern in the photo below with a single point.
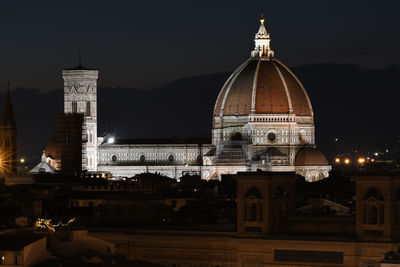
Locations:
(262, 42)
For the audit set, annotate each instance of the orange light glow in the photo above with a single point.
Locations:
(337, 160)
(6, 161)
(372, 160)
(347, 161)
(361, 160)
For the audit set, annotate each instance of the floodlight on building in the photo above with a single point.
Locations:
(111, 140)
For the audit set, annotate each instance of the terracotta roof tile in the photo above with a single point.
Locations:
(238, 101)
(270, 95)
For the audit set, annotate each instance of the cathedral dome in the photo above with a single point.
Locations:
(309, 156)
(263, 85)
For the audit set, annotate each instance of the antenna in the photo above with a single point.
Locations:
(79, 54)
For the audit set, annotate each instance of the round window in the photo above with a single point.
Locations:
(114, 158)
(271, 137)
(171, 158)
(142, 158)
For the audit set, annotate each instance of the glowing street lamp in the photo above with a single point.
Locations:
(361, 160)
(337, 160)
(347, 161)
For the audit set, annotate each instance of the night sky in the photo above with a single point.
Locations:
(143, 44)
(155, 44)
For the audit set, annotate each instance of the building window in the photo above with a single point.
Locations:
(373, 215)
(88, 108)
(142, 158)
(171, 158)
(199, 159)
(253, 212)
(114, 158)
(74, 107)
(271, 137)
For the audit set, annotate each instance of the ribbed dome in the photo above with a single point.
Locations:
(263, 86)
(309, 156)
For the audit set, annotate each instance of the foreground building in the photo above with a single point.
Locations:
(270, 232)
(263, 119)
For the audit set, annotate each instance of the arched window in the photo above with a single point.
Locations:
(253, 192)
(373, 207)
(373, 193)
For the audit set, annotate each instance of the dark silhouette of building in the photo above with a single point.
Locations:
(8, 138)
(69, 137)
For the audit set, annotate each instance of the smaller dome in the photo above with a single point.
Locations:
(309, 156)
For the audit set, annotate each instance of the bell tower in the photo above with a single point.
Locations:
(8, 137)
(80, 96)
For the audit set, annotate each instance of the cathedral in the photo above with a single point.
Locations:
(263, 120)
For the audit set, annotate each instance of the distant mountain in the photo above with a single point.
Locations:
(359, 107)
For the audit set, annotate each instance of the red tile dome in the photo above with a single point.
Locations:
(263, 86)
(309, 156)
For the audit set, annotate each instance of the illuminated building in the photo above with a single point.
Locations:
(263, 119)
